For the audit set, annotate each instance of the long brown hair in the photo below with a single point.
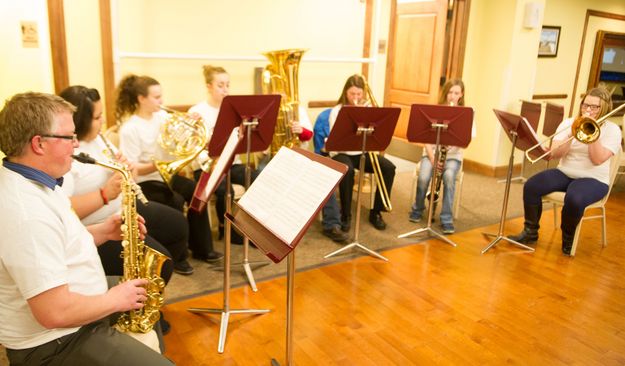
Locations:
(442, 98)
(128, 92)
(355, 80)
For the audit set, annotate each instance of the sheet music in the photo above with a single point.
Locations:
(288, 192)
(221, 163)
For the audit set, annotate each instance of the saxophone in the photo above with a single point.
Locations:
(280, 77)
(440, 166)
(140, 261)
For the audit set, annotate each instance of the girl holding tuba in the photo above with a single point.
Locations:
(452, 93)
(583, 172)
(95, 192)
(138, 104)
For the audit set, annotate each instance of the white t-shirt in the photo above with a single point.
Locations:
(43, 245)
(209, 117)
(138, 142)
(85, 178)
(576, 163)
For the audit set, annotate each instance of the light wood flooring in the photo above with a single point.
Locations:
(432, 304)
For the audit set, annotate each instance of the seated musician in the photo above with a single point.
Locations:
(353, 93)
(583, 172)
(218, 85)
(452, 93)
(138, 104)
(95, 191)
(55, 299)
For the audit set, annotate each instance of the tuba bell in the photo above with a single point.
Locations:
(186, 139)
(280, 77)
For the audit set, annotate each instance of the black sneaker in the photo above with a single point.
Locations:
(375, 218)
(165, 326)
(183, 267)
(213, 257)
(336, 234)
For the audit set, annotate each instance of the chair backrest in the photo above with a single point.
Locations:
(614, 165)
(554, 114)
(531, 112)
(321, 130)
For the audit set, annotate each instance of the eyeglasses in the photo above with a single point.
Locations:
(593, 107)
(73, 137)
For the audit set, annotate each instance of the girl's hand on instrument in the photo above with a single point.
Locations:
(296, 127)
(113, 186)
(195, 115)
(143, 230)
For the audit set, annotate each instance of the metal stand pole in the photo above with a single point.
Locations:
(428, 228)
(225, 311)
(500, 236)
(361, 167)
(521, 176)
(247, 265)
(290, 280)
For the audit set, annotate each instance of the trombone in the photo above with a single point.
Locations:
(584, 129)
(375, 162)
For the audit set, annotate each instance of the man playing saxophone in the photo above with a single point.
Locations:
(55, 308)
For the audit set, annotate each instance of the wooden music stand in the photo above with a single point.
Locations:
(523, 137)
(257, 115)
(362, 129)
(439, 125)
(274, 245)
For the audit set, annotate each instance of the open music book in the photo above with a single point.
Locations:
(288, 192)
(223, 162)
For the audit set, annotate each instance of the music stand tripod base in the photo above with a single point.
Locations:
(359, 246)
(431, 231)
(499, 238)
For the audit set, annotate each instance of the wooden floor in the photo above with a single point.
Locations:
(432, 304)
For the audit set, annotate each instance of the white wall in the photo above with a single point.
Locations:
(23, 69)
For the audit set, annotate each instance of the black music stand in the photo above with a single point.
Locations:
(256, 115)
(522, 136)
(439, 125)
(362, 129)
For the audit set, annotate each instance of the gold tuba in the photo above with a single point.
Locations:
(185, 138)
(140, 261)
(280, 77)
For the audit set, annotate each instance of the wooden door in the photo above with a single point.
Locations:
(416, 50)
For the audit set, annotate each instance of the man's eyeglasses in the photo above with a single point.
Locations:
(73, 137)
(592, 107)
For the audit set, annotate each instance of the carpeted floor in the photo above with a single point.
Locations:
(481, 204)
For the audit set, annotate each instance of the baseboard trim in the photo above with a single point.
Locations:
(488, 170)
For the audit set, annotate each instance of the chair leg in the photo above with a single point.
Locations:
(576, 237)
(555, 215)
(604, 232)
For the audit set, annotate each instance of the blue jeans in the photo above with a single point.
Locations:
(331, 213)
(450, 170)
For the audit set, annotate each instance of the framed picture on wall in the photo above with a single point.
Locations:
(549, 40)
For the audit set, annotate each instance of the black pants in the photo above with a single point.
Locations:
(200, 239)
(93, 344)
(347, 184)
